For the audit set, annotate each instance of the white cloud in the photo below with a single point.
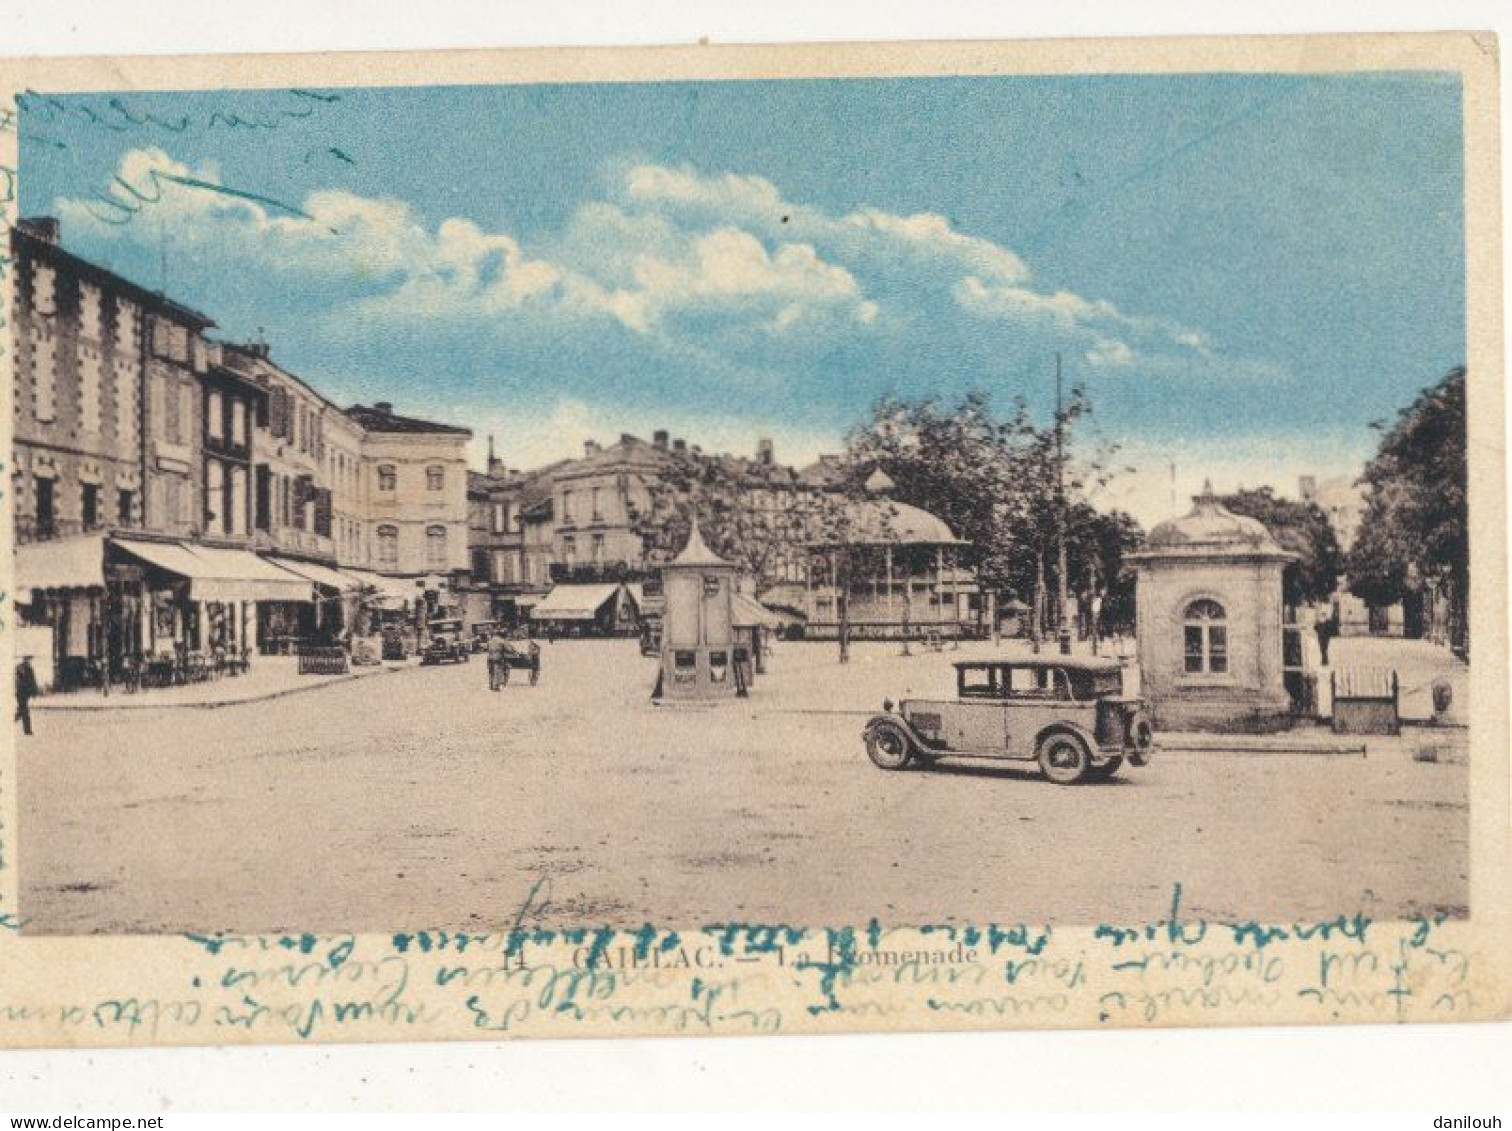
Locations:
(706, 266)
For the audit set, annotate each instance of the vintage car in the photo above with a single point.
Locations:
(447, 644)
(1069, 715)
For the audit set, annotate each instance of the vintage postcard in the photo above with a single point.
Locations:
(744, 540)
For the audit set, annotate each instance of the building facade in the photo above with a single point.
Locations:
(416, 522)
(180, 502)
(1210, 621)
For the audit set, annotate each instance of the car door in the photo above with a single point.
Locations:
(977, 719)
(978, 725)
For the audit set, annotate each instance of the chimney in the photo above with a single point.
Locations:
(45, 228)
(591, 448)
(765, 454)
(659, 438)
(1307, 487)
(626, 439)
(495, 464)
(384, 408)
(680, 446)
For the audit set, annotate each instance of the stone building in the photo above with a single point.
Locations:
(105, 407)
(416, 515)
(594, 500)
(1209, 621)
(129, 473)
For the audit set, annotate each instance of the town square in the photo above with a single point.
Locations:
(722, 537)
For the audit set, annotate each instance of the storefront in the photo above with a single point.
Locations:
(65, 618)
(337, 598)
(606, 609)
(207, 601)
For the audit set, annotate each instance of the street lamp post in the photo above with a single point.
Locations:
(1060, 518)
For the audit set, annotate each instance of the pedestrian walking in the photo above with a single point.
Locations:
(498, 661)
(26, 691)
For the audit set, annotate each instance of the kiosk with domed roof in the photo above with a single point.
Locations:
(698, 626)
(1209, 618)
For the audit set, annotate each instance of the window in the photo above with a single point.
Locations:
(388, 477)
(125, 505)
(215, 414)
(598, 508)
(44, 290)
(569, 550)
(978, 683)
(500, 517)
(388, 545)
(598, 549)
(435, 478)
(186, 413)
(567, 505)
(435, 547)
(239, 422)
(215, 502)
(91, 506)
(1205, 638)
(47, 517)
(45, 367)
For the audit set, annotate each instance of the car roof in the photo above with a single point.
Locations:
(1070, 663)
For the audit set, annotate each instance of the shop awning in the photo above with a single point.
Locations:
(63, 563)
(387, 589)
(319, 574)
(574, 602)
(747, 612)
(221, 575)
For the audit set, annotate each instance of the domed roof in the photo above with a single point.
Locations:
(1210, 526)
(884, 521)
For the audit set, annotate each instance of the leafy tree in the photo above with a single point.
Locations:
(1416, 528)
(996, 483)
(1303, 529)
(753, 514)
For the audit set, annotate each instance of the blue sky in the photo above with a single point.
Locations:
(1243, 270)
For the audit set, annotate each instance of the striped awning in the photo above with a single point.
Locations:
(216, 574)
(60, 563)
(319, 574)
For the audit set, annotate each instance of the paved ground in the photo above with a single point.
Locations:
(420, 799)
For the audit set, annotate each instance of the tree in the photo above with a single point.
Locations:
(755, 514)
(1416, 529)
(760, 516)
(1097, 545)
(995, 483)
(1303, 529)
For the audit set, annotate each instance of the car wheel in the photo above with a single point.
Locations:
(1106, 770)
(1063, 758)
(888, 746)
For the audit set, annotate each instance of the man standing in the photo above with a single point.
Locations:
(26, 691)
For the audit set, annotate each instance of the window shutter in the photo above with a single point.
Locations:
(323, 512)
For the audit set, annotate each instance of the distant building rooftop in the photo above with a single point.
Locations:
(381, 417)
